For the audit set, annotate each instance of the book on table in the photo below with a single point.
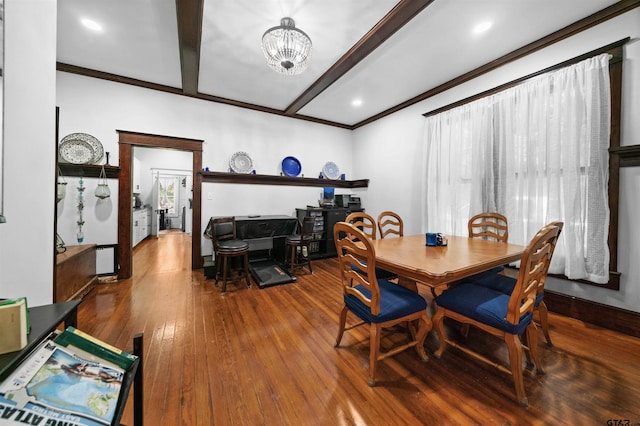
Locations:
(71, 379)
(14, 324)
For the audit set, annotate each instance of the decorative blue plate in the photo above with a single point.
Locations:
(291, 166)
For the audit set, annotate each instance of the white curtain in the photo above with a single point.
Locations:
(536, 152)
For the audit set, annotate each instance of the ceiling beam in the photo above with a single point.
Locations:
(402, 13)
(189, 15)
(584, 24)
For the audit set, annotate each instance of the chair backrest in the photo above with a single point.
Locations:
(533, 271)
(222, 228)
(307, 226)
(356, 257)
(489, 225)
(559, 225)
(364, 222)
(390, 224)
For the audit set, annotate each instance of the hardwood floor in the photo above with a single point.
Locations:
(266, 356)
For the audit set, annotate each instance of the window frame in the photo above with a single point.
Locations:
(615, 78)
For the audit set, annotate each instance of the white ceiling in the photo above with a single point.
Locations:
(140, 40)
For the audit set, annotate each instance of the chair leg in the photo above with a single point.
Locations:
(532, 344)
(374, 351)
(224, 274)
(423, 330)
(543, 312)
(515, 361)
(343, 322)
(309, 258)
(438, 323)
(218, 269)
(292, 258)
(246, 270)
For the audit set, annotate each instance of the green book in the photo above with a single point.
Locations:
(85, 342)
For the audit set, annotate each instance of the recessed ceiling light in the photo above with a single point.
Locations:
(356, 102)
(91, 24)
(482, 27)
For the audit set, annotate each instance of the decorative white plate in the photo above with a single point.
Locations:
(97, 151)
(76, 152)
(330, 170)
(241, 162)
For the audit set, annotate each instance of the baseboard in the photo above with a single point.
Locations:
(621, 320)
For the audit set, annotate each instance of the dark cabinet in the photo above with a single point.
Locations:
(323, 244)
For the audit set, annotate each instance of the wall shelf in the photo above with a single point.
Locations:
(251, 179)
(88, 170)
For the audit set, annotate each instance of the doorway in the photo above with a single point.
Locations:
(127, 140)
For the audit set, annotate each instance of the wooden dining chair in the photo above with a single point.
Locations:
(506, 284)
(390, 224)
(364, 222)
(367, 224)
(375, 301)
(503, 315)
(489, 225)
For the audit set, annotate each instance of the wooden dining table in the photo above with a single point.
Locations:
(414, 262)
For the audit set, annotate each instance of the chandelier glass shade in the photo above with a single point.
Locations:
(286, 48)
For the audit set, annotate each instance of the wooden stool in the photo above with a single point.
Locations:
(222, 231)
(230, 249)
(298, 247)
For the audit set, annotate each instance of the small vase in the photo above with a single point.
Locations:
(80, 236)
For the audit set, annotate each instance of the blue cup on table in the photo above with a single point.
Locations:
(432, 238)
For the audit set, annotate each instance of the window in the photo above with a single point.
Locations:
(168, 194)
(536, 152)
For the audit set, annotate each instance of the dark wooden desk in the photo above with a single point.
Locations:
(42, 320)
(414, 261)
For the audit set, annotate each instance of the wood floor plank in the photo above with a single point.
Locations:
(267, 356)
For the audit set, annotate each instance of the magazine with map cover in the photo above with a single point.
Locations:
(54, 385)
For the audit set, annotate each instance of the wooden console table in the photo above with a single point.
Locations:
(75, 272)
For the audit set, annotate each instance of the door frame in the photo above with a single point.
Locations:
(126, 141)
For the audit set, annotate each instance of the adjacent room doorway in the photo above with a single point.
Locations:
(128, 140)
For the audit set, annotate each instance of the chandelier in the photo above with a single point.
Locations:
(286, 48)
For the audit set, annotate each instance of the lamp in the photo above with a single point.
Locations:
(286, 48)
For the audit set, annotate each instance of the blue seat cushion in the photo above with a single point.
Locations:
(380, 273)
(484, 305)
(503, 284)
(395, 302)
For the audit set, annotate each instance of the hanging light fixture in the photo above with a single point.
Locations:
(286, 48)
(102, 190)
(61, 187)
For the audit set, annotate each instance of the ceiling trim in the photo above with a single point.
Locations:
(189, 15)
(87, 72)
(568, 31)
(614, 49)
(398, 17)
(370, 40)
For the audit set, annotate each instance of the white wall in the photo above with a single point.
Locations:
(395, 147)
(27, 240)
(100, 107)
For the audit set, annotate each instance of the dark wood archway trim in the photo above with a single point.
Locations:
(397, 18)
(126, 140)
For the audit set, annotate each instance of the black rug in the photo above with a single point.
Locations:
(269, 272)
